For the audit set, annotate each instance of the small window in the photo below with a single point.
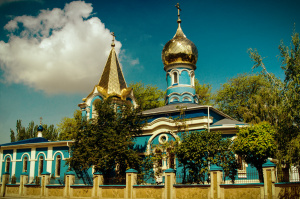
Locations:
(175, 76)
(58, 165)
(25, 163)
(7, 165)
(41, 165)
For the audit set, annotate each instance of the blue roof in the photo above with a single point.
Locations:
(28, 141)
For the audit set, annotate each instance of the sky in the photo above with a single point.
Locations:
(52, 52)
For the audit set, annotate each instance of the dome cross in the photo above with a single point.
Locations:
(178, 7)
(113, 40)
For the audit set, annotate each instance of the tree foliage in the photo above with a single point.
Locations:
(250, 98)
(22, 133)
(68, 127)
(148, 96)
(107, 141)
(255, 144)
(204, 93)
(197, 150)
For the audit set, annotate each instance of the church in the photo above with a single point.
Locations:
(37, 156)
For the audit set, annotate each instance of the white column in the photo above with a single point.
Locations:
(1, 162)
(32, 163)
(49, 159)
(13, 167)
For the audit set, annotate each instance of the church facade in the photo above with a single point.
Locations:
(36, 156)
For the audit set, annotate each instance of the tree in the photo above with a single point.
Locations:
(251, 98)
(204, 93)
(288, 125)
(68, 127)
(107, 141)
(198, 149)
(255, 144)
(22, 133)
(147, 97)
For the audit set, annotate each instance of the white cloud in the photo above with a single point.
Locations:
(58, 51)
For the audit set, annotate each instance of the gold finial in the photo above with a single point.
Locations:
(178, 7)
(41, 120)
(113, 40)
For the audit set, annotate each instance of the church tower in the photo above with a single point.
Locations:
(112, 85)
(179, 57)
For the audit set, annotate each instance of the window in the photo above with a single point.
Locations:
(41, 165)
(94, 111)
(175, 78)
(7, 165)
(171, 159)
(25, 163)
(192, 79)
(58, 165)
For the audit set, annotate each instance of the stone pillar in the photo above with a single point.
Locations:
(170, 180)
(69, 180)
(5, 180)
(23, 181)
(98, 179)
(131, 179)
(44, 182)
(269, 179)
(215, 181)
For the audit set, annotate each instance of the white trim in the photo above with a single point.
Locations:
(49, 161)
(32, 163)
(157, 132)
(1, 159)
(13, 166)
(39, 154)
(24, 155)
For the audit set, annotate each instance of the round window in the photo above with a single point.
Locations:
(163, 138)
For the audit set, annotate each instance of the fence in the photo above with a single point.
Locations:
(57, 180)
(249, 177)
(291, 175)
(83, 180)
(182, 178)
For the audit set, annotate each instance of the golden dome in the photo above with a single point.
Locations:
(179, 49)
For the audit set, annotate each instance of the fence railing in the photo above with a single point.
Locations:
(291, 175)
(83, 180)
(58, 181)
(150, 180)
(115, 181)
(182, 178)
(242, 178)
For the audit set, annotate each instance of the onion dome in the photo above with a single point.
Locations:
(179, 49)
(40, 128)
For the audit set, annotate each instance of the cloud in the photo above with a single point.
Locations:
(58, 51)
(2, 2)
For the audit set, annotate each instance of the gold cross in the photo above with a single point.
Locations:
(41, 120)
(113, 40)
(178, 7)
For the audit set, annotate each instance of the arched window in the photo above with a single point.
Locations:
(187, 99)
(174, 99)
(94, 111)
(192, 79)
(25, 163)
(58, 165)
(7, 165)
(175, 78)
(41, 165)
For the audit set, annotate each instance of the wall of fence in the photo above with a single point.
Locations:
(215, 186)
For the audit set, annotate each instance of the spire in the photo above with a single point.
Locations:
(112, 79)
(179, 32)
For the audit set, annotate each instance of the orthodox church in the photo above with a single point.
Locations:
(36, 156)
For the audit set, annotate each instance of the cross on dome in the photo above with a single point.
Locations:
(179, 9)
(113, 40)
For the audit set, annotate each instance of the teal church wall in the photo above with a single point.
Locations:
(91, 106)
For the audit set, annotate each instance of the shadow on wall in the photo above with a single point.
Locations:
(289, 193)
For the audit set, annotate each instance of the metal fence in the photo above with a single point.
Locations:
(115, 181)
(58, 181)
(182, 178)
(150, 180)
(290, 175)
(242, 178)
(83, 180)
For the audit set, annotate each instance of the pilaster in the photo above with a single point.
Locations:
(131, 179)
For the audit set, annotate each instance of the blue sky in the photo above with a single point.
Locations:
(52, 52)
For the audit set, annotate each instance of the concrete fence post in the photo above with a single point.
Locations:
(23, 181)
(131, 179)
(5, 180)
(44, 182)
(69, 180)
(170, 180)
(215, 181)
(269, 179)
(97, 180)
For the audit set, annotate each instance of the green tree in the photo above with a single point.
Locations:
(288, 121)
(68, 127)
(22, 133)
(197, 150)
(255, 144)
(251, 98)
(147, 97)
(204, 93)
(107, 141)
